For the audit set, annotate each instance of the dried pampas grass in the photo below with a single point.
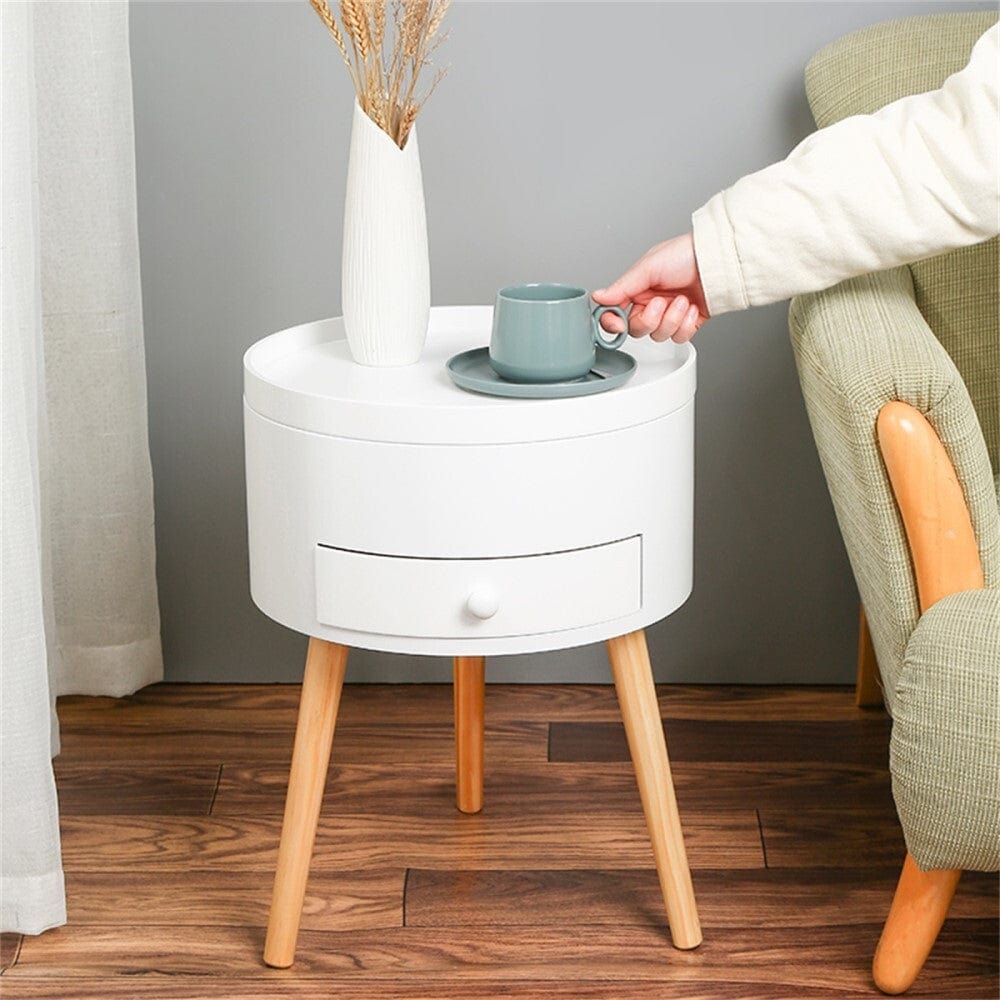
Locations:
(386, 81)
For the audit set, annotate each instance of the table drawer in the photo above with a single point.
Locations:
(445, 598)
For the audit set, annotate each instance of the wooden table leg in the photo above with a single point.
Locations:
(321, 687)
(470, 695)
(633, 676)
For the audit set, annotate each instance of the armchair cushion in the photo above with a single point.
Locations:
(858, 346)
(945, 747)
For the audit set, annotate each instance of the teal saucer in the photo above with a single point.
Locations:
(471, 370)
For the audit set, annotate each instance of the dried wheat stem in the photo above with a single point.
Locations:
(414, 22)
(441, 8)
(356, 25)
(378, 18)
(433, 14)
(412, 60)
(406, 123)
(396, 69)
(326, 16)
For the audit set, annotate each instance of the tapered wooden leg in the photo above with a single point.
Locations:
(918, 910)
(321, 687)
(470, 696)
(867, 693)
(637, 697)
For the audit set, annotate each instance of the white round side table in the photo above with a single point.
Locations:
(390, 510)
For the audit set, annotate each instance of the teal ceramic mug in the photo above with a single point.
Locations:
(548, 333)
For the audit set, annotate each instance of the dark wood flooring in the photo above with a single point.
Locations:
(171, 807)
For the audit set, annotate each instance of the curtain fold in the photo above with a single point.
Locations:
(78, 598)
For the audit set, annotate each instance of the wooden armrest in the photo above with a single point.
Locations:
(935, 515)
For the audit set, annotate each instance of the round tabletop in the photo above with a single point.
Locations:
(305, 378)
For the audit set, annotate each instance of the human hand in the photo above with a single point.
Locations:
(664, 289)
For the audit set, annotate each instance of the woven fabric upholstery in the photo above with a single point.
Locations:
(959, 297)
(956, 292)
(948, 703)
(874, 66)
(858, 346)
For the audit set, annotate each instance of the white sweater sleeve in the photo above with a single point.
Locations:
(917, 178)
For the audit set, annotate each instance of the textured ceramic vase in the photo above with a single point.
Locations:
(386, 271)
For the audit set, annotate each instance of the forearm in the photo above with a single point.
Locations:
(916, 179)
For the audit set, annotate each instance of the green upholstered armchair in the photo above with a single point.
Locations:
(900, 371)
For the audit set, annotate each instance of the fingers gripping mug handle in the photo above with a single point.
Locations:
(609, 345)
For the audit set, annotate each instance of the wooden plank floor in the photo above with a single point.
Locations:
(171, 807)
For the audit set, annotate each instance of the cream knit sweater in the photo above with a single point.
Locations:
(917, 178)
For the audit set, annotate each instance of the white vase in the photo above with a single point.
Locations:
(386, 286)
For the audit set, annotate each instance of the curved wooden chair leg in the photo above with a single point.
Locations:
(320, 699)
(918, 910)
(470, 696)
(633, 676)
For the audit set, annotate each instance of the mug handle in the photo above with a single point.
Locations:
(609, 345)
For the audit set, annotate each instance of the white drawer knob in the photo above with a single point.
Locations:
(483, 602)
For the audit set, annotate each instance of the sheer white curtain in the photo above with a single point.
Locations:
(78, 597)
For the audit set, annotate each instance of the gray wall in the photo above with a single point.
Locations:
(566, 139)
